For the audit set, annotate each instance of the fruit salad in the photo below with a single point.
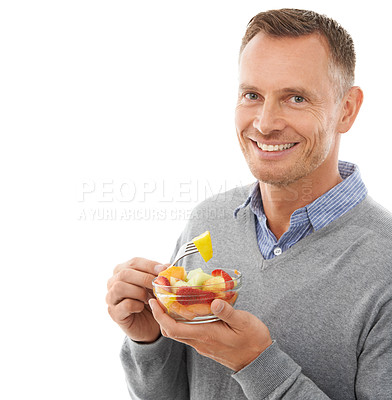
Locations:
(187, 296)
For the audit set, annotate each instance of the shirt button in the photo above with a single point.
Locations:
(277, 251)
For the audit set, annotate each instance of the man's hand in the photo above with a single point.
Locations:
(129, 290)
(235, 341)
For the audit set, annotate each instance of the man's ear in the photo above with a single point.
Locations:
(351, 103)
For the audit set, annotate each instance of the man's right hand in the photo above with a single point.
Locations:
(129, 290)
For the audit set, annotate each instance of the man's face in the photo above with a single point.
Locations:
(287, 113)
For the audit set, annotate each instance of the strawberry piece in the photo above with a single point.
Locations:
(162, 280)
(188, 295)
(229, 295)
(233, 298)
(225, 276)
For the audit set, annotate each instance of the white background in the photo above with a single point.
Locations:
(102, 96)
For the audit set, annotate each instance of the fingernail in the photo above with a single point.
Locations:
(218, 307)
(159, 268)
(151, 304)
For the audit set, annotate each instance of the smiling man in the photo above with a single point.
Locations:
(290, 114)
(314, 317)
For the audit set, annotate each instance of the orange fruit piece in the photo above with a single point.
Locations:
(200, 309)
(175, 272)
(182, 311)
(233, 298)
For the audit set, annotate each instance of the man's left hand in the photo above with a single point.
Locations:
(234, 341)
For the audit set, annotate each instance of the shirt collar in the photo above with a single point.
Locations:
(254, 193)
(321, 211)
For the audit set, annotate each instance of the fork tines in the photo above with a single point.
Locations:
(190, 249)
(191, 246)
(185, 250)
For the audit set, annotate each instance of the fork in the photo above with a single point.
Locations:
(185, 250)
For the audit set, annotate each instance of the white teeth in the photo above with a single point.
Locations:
(276, 147)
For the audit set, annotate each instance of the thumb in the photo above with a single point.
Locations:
(224, 311)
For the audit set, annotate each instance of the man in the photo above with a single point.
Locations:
(314, 318)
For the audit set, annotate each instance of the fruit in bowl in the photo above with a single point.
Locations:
(187, 296)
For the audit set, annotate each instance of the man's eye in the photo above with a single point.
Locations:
(297, 99)
(251, 96)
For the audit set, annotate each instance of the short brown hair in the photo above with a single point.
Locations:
(290, 22)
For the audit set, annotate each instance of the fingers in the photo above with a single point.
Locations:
(132, 276)
(161, 317)
(124, 309)
(127, 292)
(121, 290)
(158, 313)
(125, 299)
(129, 289)
(178, 331)
(138, 263)
(138, 271)
(171, 328)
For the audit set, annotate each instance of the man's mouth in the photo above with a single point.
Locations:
(275, 147)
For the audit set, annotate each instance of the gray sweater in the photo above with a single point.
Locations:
(327, 302)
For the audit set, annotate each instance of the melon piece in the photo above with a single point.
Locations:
(197, 277)
(204, 245)
(173, 280)
(177, 284)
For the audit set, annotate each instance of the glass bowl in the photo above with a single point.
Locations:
(192, 304)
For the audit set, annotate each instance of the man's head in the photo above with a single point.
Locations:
(288, 116)
(294, 23)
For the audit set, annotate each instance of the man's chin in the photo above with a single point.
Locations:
(280, 183)
(281, 175)
(279, 180)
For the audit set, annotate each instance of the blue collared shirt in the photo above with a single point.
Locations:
(314, 216)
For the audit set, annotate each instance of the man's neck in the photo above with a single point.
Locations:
(279, 203)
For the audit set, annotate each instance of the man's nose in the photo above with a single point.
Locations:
(269, 118)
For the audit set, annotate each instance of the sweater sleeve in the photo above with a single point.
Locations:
(274, 375)
(374, 373)
(156, 370)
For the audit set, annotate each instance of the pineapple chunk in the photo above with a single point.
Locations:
(215, 284)
(204, 245)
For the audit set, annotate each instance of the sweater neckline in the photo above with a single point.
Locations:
(248, 222)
